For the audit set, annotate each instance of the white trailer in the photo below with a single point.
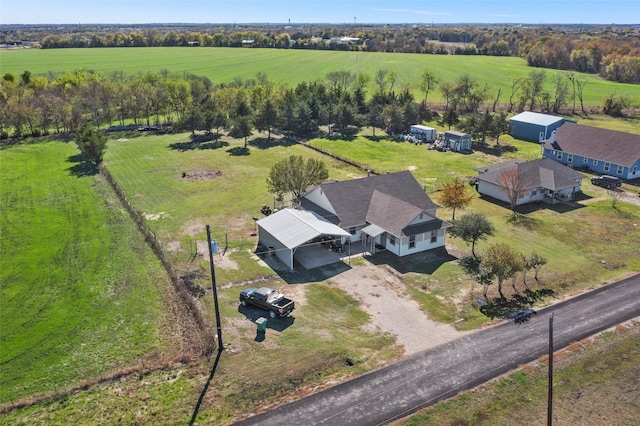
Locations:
(427, 134)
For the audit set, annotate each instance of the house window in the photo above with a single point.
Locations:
(635, 169)
(392, 240)
(585, 160)
(570, 158)
(534, 192)
(620, 170)
(434, 236)
(559, 155)
(412, 241)
(606, 167)
(420, 215)
(595, 162)
(352, 230)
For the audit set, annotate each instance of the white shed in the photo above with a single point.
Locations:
(427, 134)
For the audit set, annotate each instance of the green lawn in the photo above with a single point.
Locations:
(223, 65)
(80, 289)
(220, 188)
(584, 246)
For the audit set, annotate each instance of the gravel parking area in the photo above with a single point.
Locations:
(383, 296)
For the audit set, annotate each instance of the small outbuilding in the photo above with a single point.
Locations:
(457, 141)
(423, 133)
(533, 126)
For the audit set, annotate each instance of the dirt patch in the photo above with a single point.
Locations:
(200, 174)
(155, 216)
(382, 295)
(219, 259)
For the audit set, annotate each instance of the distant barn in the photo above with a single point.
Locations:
(533, 126)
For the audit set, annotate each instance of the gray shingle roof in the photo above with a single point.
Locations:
(390, 201)
(541, 173)
(601, 144)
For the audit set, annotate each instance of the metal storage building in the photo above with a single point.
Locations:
(533, 126)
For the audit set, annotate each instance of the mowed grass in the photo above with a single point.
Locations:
(220, 188)
(223, 65)
(324, 340)
(80, 289)
(585, 245)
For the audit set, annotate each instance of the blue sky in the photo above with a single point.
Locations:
(326, 11)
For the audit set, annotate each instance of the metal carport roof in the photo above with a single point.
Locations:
(295, 227)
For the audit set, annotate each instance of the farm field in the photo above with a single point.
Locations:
(82, 294)
(223, 65)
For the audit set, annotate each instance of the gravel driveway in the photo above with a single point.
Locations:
(382, 294)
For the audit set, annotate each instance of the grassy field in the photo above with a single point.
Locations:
(223, 65)
(182, 186)
(70, 309)
(223, 186)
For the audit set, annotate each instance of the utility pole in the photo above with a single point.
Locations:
(215, 290)
(550, 379)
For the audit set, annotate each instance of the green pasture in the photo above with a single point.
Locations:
(584, 246)
(80, 290)
(169, 396)
(223, 65)
(224, 186)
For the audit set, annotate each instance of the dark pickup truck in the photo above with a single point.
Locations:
(269, 299)
(606, 181)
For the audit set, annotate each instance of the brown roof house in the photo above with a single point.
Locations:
(390, 211)
(608, 152)
(529, 181)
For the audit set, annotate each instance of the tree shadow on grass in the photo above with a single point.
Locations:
(197, 143)
(377, 138)
(82, 167)
(239, 151)
(264, 143)
(496, 150)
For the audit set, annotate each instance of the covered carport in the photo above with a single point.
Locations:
(287, 230)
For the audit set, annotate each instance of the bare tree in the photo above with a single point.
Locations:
(513, 184)
(615, 195)
(428, 81)
(516, 85)
(571, 76)
(580, 91)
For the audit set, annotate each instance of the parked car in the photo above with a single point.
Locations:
(268, 299)
(520, 317)
(606, 181)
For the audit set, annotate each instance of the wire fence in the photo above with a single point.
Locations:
(207, 340)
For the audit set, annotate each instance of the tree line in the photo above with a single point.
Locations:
(61, 103)
(609, 51)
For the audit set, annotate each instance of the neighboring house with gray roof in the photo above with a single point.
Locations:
(608, 152)
(390, 211)
(539, 180)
